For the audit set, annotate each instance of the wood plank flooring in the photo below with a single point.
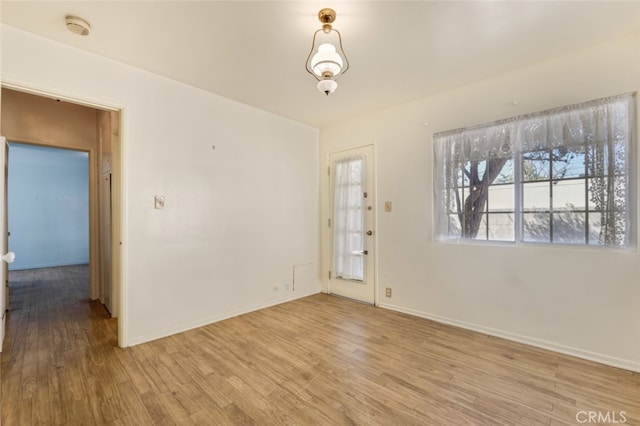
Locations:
(320, 360)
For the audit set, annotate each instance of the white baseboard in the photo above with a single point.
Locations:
(532, 341)
(299, 294)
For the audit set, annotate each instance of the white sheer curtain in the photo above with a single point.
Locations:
(348, 218)
(602, 129)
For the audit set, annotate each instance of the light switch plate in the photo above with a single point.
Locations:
(387, 206)
(158, 201)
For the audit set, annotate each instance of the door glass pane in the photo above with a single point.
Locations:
(348, 219)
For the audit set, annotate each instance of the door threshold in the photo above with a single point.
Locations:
(352, 300)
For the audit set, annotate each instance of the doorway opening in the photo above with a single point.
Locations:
(48, 220)
(42, 122)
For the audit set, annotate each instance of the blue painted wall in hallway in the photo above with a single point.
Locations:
(48, 206)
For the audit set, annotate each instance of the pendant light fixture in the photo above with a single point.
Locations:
(327, 60)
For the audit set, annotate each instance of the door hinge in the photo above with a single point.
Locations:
(329, 170)
(329, 274)
(329, 222)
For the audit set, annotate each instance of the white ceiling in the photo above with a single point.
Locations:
(254, 52)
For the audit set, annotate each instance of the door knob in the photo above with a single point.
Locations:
(9, 257)
(369, 232)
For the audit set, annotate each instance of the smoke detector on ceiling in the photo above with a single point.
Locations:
(77, 25)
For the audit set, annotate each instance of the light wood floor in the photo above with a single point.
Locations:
(316, 361)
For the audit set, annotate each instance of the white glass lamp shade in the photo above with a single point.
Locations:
(327, 86)
(326, 60)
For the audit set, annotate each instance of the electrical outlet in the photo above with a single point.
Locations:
(276, 288)
(287, 286)
(387, 206)
(387, 292)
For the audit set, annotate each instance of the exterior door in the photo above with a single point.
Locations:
(351, 223)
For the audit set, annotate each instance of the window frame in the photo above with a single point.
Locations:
(445, 209)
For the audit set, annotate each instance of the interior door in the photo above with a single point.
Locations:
(351, 224)
(105, 241)
(4, 270)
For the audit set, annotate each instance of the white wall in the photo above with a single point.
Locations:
(580, 301)
(237, 218)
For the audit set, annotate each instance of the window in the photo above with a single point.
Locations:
(348, 217)
(559, 176)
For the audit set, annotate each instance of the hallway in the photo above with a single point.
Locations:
(55, 347)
